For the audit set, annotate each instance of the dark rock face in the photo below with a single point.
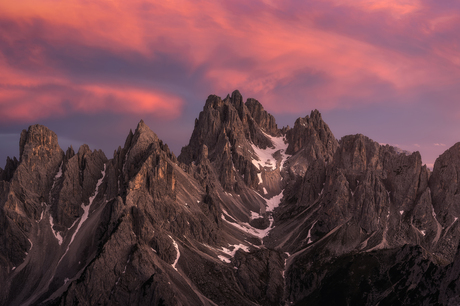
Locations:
(259, 275)
(7, 173)
(311, 134)
(262, 118)
(248, 214)
(225, 133)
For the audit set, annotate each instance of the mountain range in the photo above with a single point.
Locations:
(247, 214)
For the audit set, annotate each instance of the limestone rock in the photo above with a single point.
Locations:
(227, 128)
(247, 214)
(312, 134)
(265, 120)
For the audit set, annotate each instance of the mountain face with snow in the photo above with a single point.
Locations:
(247, 214)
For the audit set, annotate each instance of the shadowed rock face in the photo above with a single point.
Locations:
(248, 214)
(308, 133)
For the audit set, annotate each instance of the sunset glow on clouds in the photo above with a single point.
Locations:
(161, 59)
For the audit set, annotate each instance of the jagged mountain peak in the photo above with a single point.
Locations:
(233, 118)
(250, 214)
(311, 130)
(235, 135)
(265, 120)
(144, 134)
(38, 139)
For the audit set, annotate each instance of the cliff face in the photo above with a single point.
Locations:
(248, 214)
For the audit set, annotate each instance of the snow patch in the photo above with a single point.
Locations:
(231, 252)
(55, 233)
(432, 212)
(401, 212)
(223, 258)
(264, 157)
(43, 212)
(309, 233)
(274, 202)
(247, 228)
(177, 252)
(265, 191)
(423, 232)
(99, 182)
(255, 215)
(271, 204)
(73, 224)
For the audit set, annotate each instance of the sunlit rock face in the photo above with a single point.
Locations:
(247, 214)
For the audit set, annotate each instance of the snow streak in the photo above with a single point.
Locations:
(86, 208)
(55, 233)
(177, 252)
(309, 233)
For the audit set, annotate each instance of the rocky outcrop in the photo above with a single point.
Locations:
(313, 135)
(265, 120)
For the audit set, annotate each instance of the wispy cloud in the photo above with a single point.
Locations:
(332, 54)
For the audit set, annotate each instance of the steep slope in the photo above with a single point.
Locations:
(248, 214)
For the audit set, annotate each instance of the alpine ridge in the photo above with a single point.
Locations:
(247, 214)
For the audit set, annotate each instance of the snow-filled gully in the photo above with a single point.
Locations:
(271, 204)
(177, 253)
(85, 215)
(265, 156)
(263, 160)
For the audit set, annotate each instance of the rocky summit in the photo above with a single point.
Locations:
(247, 214)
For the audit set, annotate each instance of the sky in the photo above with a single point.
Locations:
(91, 70)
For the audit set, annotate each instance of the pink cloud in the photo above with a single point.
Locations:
(291, 56)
